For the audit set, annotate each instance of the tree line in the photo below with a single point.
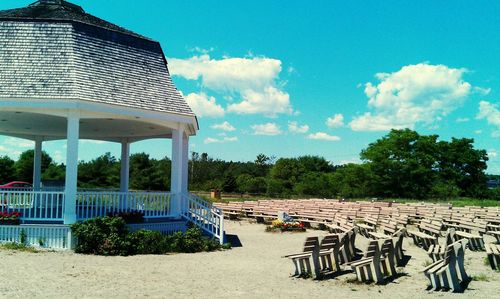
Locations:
(402, 164)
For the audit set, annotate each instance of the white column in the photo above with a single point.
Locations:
(73, 132)
(185, 163)
(37, 165)
(176, 171)
(125, 166)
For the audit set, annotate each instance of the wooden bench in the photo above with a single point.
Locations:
(449, 272)
(329, 254)
(387, 229)
(302, 261)
(428, 234)
(369, 225)
(437, 252)
(493, 254)
(495, 234)
(368, 268)
(388, 258)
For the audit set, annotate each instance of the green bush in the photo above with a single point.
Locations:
(147, 242)
(110, 236)
(102, 236)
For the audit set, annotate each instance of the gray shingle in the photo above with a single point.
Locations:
(69, 59)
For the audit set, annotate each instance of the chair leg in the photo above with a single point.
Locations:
(297, 267)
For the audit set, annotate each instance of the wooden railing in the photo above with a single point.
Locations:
(98, 204)
(33, 205)
(201, 213)
(49, 206)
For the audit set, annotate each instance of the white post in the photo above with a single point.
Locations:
(185, 163)
(37, 165)
(176, 171)
(125, 166)
(71, 168)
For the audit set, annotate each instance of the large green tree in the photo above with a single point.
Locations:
(7, 170)
(406, 164)
(24, 165)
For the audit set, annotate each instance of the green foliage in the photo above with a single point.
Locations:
(7, 170)
(110, 236)
(24, 165)
(103, 171)
(101, 236)
(442, 190)
(402, 164)
(18, 247)
(480, 277)
(23, 236)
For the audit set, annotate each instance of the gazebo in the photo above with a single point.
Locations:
(65, 74)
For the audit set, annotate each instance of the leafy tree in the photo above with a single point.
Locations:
(101, 172)
(24, 165)
(7, 170)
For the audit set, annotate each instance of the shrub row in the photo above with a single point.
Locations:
(110, 236)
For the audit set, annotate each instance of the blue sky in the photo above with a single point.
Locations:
(317, 77)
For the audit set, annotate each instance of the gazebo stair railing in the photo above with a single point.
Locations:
(204, 215)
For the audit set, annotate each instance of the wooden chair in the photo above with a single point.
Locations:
(369, 225)
(473, 233)
(493, 254)
(428, 234)
(436, 252)
(368, 268)
(388, 258)
(449, 272)
(397, 239)
(302, 261)
(329, 254)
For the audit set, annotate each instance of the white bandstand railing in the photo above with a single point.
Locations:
(33, 205)
(49, 205)
(98, 204)
(204, 215)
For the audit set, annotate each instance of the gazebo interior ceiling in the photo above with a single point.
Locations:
(31, 125)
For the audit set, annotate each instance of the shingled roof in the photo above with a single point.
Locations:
(52, 49)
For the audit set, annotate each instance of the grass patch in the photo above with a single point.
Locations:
(426, 263)
(486, 261)
(18, 247)
(480, 277)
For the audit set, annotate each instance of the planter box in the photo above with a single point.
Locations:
(293, 229)
(10, 221)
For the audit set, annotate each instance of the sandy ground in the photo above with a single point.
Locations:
(255, 270)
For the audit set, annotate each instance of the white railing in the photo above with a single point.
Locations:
(33, 205)
(98, 204)
(204, 215)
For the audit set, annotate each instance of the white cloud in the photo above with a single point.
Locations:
(59, 157)
(483, 91)
(323, 136)
(20, 143)
(225, 126)
(478, 132)
(462, 119)
(492, 153)
(254, 79)
(209, 140)
(85, 141)
(294, 127)
(269, 129)
(270, 101)
(12, 153)
(204, 105)
(421, 93)
(335, 121)
(491, 113)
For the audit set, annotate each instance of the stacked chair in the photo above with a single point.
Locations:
(448, 272)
